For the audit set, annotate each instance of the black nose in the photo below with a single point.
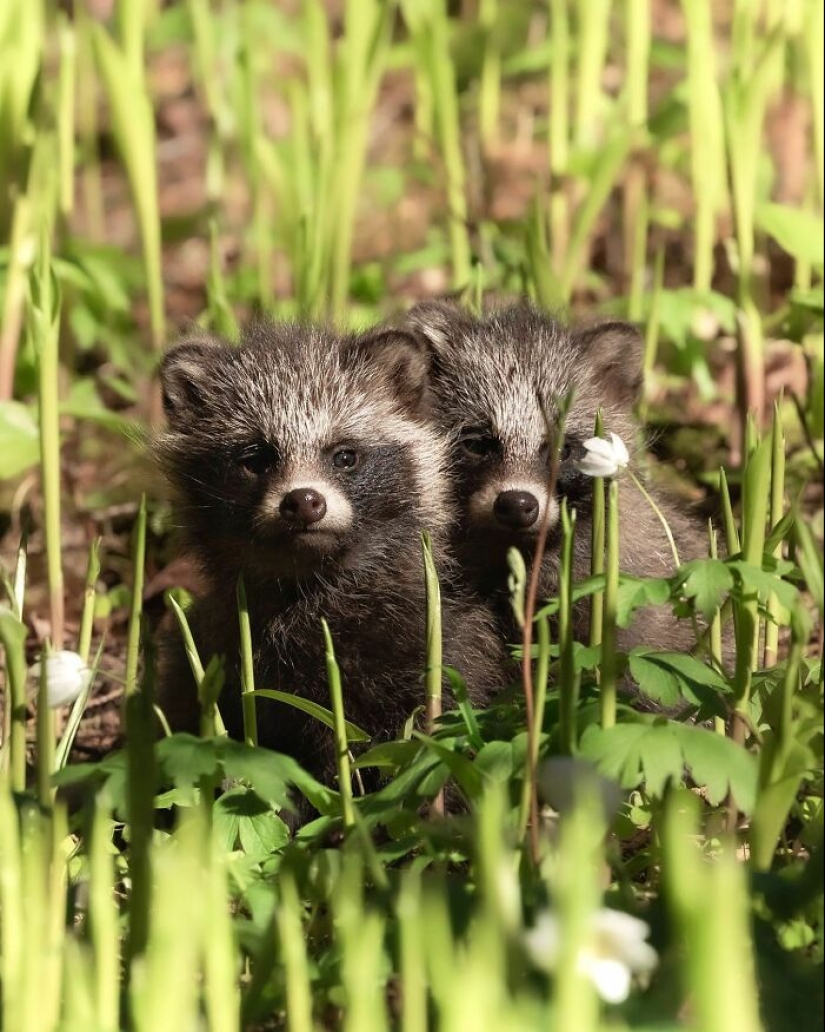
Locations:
(303, 505)
(517, 509)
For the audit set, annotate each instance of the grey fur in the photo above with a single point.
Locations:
(493, 374)
(283, 402)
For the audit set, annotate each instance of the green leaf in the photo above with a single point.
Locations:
(185, 759)
(19, 439)
(496, 761)
(269, 773)
(766, 582)
(809, 557)
(660, 757)
(458, 687)
(354, 733)
(656, 753)
(240, 815)
(798, 232)
(615, 752)
(390, 755)
(636, 592)
(468, 779)
(706, 581)
(719, 765)
(670, 677)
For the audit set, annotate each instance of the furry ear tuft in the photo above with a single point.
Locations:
(186, 373)
(613, 351)
(438, 323)
(400, 359)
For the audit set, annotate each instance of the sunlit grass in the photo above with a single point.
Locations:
(176, 893)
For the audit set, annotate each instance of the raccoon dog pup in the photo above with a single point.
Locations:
(304, 461)
(489, 377)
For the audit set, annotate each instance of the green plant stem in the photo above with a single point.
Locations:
(429, 25)
(591, 51)
(66, 113)
(635, 212)
(568, 689)
(136, 605)
(607, 683)
(250, 719)
(140, 797)
(44, 315)
(13, 753)
(777, 506)
(103, 918)
(597, 545)
(435, 660)
(293, 951)
(46, 735)
(554, 429)
(707, 141)
(414, 999)
(813, 34)
(84, 641)
(715, 629)
(728, 520)
(340, 729)
(18, 593)
(559, 133)
(89, 157)
(489, 100)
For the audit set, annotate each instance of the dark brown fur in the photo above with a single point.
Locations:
(282, 403)
(490, 376)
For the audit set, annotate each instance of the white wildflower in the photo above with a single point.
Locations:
(614, 953)
(604, 458)
(67, 675)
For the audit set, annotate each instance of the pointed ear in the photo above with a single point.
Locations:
(438, 323)
(613, 352)
(399, 359)
(187, 375)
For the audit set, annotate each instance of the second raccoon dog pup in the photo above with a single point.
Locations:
(303, 461)
(489, 377)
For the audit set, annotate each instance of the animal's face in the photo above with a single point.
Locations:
(498, 384)
(298, 447)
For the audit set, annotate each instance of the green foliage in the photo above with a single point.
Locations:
(463, 887)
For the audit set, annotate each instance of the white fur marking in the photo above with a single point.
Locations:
(339, 511)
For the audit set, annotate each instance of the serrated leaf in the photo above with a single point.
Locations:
(240, 815)
(719, 765)
(706, 581)
(614, 751)
(268, 772)
(185, 759)
(637, 592)
(766, 582)
(669, 677)
(660, 757)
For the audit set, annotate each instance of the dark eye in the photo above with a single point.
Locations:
(345, 458)
(566, 452)
(480, 445)
(258, 459)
